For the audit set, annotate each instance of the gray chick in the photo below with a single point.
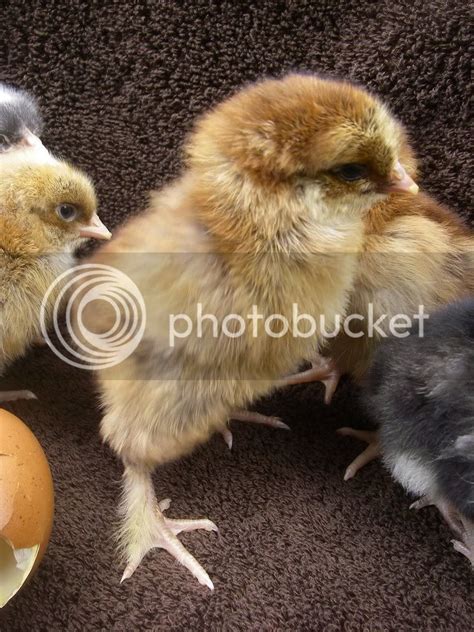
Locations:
(420, 389)
(20, 120)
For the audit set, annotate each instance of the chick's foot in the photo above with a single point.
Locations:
(251, 417)
(462, 528)
(450, 515)
(371, 452)
(12, 396)
(145, 528)
(322, 370)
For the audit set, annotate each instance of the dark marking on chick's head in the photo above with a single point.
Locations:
(306, 127)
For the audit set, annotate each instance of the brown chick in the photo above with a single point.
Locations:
(267, 214)
(46, 211)
(416, 252)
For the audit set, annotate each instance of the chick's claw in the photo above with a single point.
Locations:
(227, 436)
(371, 452)
(165, 531)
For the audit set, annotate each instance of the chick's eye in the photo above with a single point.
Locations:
(4, 142)
(351, 172)
(67, 212)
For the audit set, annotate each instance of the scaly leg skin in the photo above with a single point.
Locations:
(322, 370)
(371, 452)
(145, 527)
(12, 396)
(251, 417)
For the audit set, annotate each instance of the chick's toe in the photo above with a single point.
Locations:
(251, 417)
(12, 396)
(450, 515)
(464, 549)
(257, 418)
(371, 452)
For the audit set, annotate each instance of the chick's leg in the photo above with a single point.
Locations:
(371, 452)
(146, 527)
(322, 370)
(12, 396)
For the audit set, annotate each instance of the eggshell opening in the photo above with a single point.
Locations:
(15, 567)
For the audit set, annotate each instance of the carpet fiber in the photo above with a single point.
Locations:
(120, 84)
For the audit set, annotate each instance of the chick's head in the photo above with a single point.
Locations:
(20, 120)
(53, 204)
(331, 137)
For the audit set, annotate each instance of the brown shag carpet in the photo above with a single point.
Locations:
(120, 84)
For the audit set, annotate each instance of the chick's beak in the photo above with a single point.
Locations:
(95, 229)
(30, 140)
(32, 144)
(400, 182)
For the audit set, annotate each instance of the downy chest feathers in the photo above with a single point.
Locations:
(24, 282)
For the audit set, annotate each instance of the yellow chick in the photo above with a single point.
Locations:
(47, 209)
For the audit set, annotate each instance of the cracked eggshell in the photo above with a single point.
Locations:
(26, 504)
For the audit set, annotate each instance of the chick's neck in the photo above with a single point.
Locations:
(273, 240)
(276, 219)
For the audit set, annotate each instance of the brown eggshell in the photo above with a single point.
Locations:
(26, 504)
